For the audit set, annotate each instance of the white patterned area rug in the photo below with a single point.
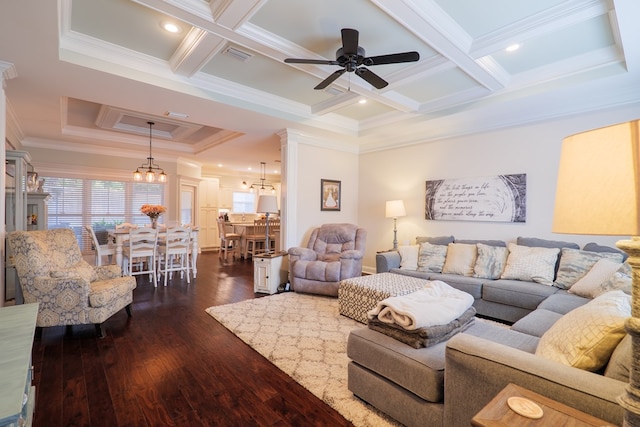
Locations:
(306, 337)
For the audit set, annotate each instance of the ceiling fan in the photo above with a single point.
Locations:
(351, 58)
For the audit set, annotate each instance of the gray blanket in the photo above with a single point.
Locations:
(424, 337)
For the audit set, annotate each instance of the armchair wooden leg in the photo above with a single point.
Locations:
(128, 308)
(100, 331)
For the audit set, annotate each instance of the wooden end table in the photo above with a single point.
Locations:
(497, 412)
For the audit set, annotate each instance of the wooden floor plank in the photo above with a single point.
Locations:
(169, 364)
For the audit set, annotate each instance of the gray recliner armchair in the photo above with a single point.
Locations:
(334, 253)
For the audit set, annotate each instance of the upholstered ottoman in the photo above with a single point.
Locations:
(358, 295)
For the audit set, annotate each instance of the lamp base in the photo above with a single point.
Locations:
(630, 400)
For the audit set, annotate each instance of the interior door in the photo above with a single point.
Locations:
(188, 203)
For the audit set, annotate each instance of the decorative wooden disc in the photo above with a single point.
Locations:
(525, 407)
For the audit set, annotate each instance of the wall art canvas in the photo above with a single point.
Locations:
(329, 195)
(499, 198)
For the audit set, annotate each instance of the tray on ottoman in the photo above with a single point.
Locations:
(358, 295)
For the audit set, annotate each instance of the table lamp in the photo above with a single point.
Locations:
(395, 209)
(267, 205)
(598, 192)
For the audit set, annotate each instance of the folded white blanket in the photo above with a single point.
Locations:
(435, 304)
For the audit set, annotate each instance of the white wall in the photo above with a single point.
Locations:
(534, 150)
(307, 162)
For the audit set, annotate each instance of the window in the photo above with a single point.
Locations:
(101, 204)
(244, 202)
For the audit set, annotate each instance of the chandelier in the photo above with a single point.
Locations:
(262, 185)
(150, 169)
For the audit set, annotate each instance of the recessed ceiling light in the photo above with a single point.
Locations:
(220, 165)
(513, 47)
(171, 27)
(362, 101)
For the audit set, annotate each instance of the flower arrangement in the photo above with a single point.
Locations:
(153, 211)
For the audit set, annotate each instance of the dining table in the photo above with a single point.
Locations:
(121, 235)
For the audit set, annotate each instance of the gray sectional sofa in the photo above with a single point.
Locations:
(410, 384)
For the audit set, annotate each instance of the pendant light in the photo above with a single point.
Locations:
(150, 169)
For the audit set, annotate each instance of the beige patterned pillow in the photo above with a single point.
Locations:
(431, 257)
(409, 257)
(575, 263)
(585, 337)
(82, 269)
(532, 264)
(589, 286)
(461, 258)
(490, 262)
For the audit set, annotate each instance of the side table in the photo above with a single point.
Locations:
(498, 413)
(269, 272)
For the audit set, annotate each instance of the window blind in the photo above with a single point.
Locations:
(101, 204)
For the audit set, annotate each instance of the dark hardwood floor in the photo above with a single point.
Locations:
(171, 364)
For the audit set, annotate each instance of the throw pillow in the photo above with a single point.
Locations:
(431, 257)
(575, 263)
(460, 259)
(409, 257)
(589, 285)
(585, 337)
(490, 262)
(621, 280)
(534, 264)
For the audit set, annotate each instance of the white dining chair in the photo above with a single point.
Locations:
(173, 253)
(101, 250)
(139, 257)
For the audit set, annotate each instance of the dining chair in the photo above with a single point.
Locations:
(142, 247)
(255, 238)
(173, 252)
(100, 250)
(229, 241)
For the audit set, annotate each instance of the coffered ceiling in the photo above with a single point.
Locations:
(89, 74)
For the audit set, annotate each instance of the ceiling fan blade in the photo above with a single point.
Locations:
(371, 77)
(349, 41)
(393, 58)
(310, 61)
(326, 82)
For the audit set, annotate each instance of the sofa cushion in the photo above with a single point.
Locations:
(460, 259)
(586, 337)
(590, 285)
(575, 263)
(594, 247)
(431, 257)
(82, 269)
(409, 256)
(621, 279)
(619, 366)
(436, 240)
(503, 335)
(490, 261)
(470, 285)
(499, 243)
(516, 293)
(563, 302)
(535, 264)
(543, 243)
(537, 322)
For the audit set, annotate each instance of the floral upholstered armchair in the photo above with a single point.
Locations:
(69, 290)
(334, 253)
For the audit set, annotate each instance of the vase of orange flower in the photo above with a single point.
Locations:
(153, 212)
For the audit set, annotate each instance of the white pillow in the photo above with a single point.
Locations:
(532, 264)
(461, 258)
(409, 257)
(589, 285)
(431, 257)
(585, 337)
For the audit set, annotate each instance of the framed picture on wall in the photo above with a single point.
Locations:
(329, 195)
